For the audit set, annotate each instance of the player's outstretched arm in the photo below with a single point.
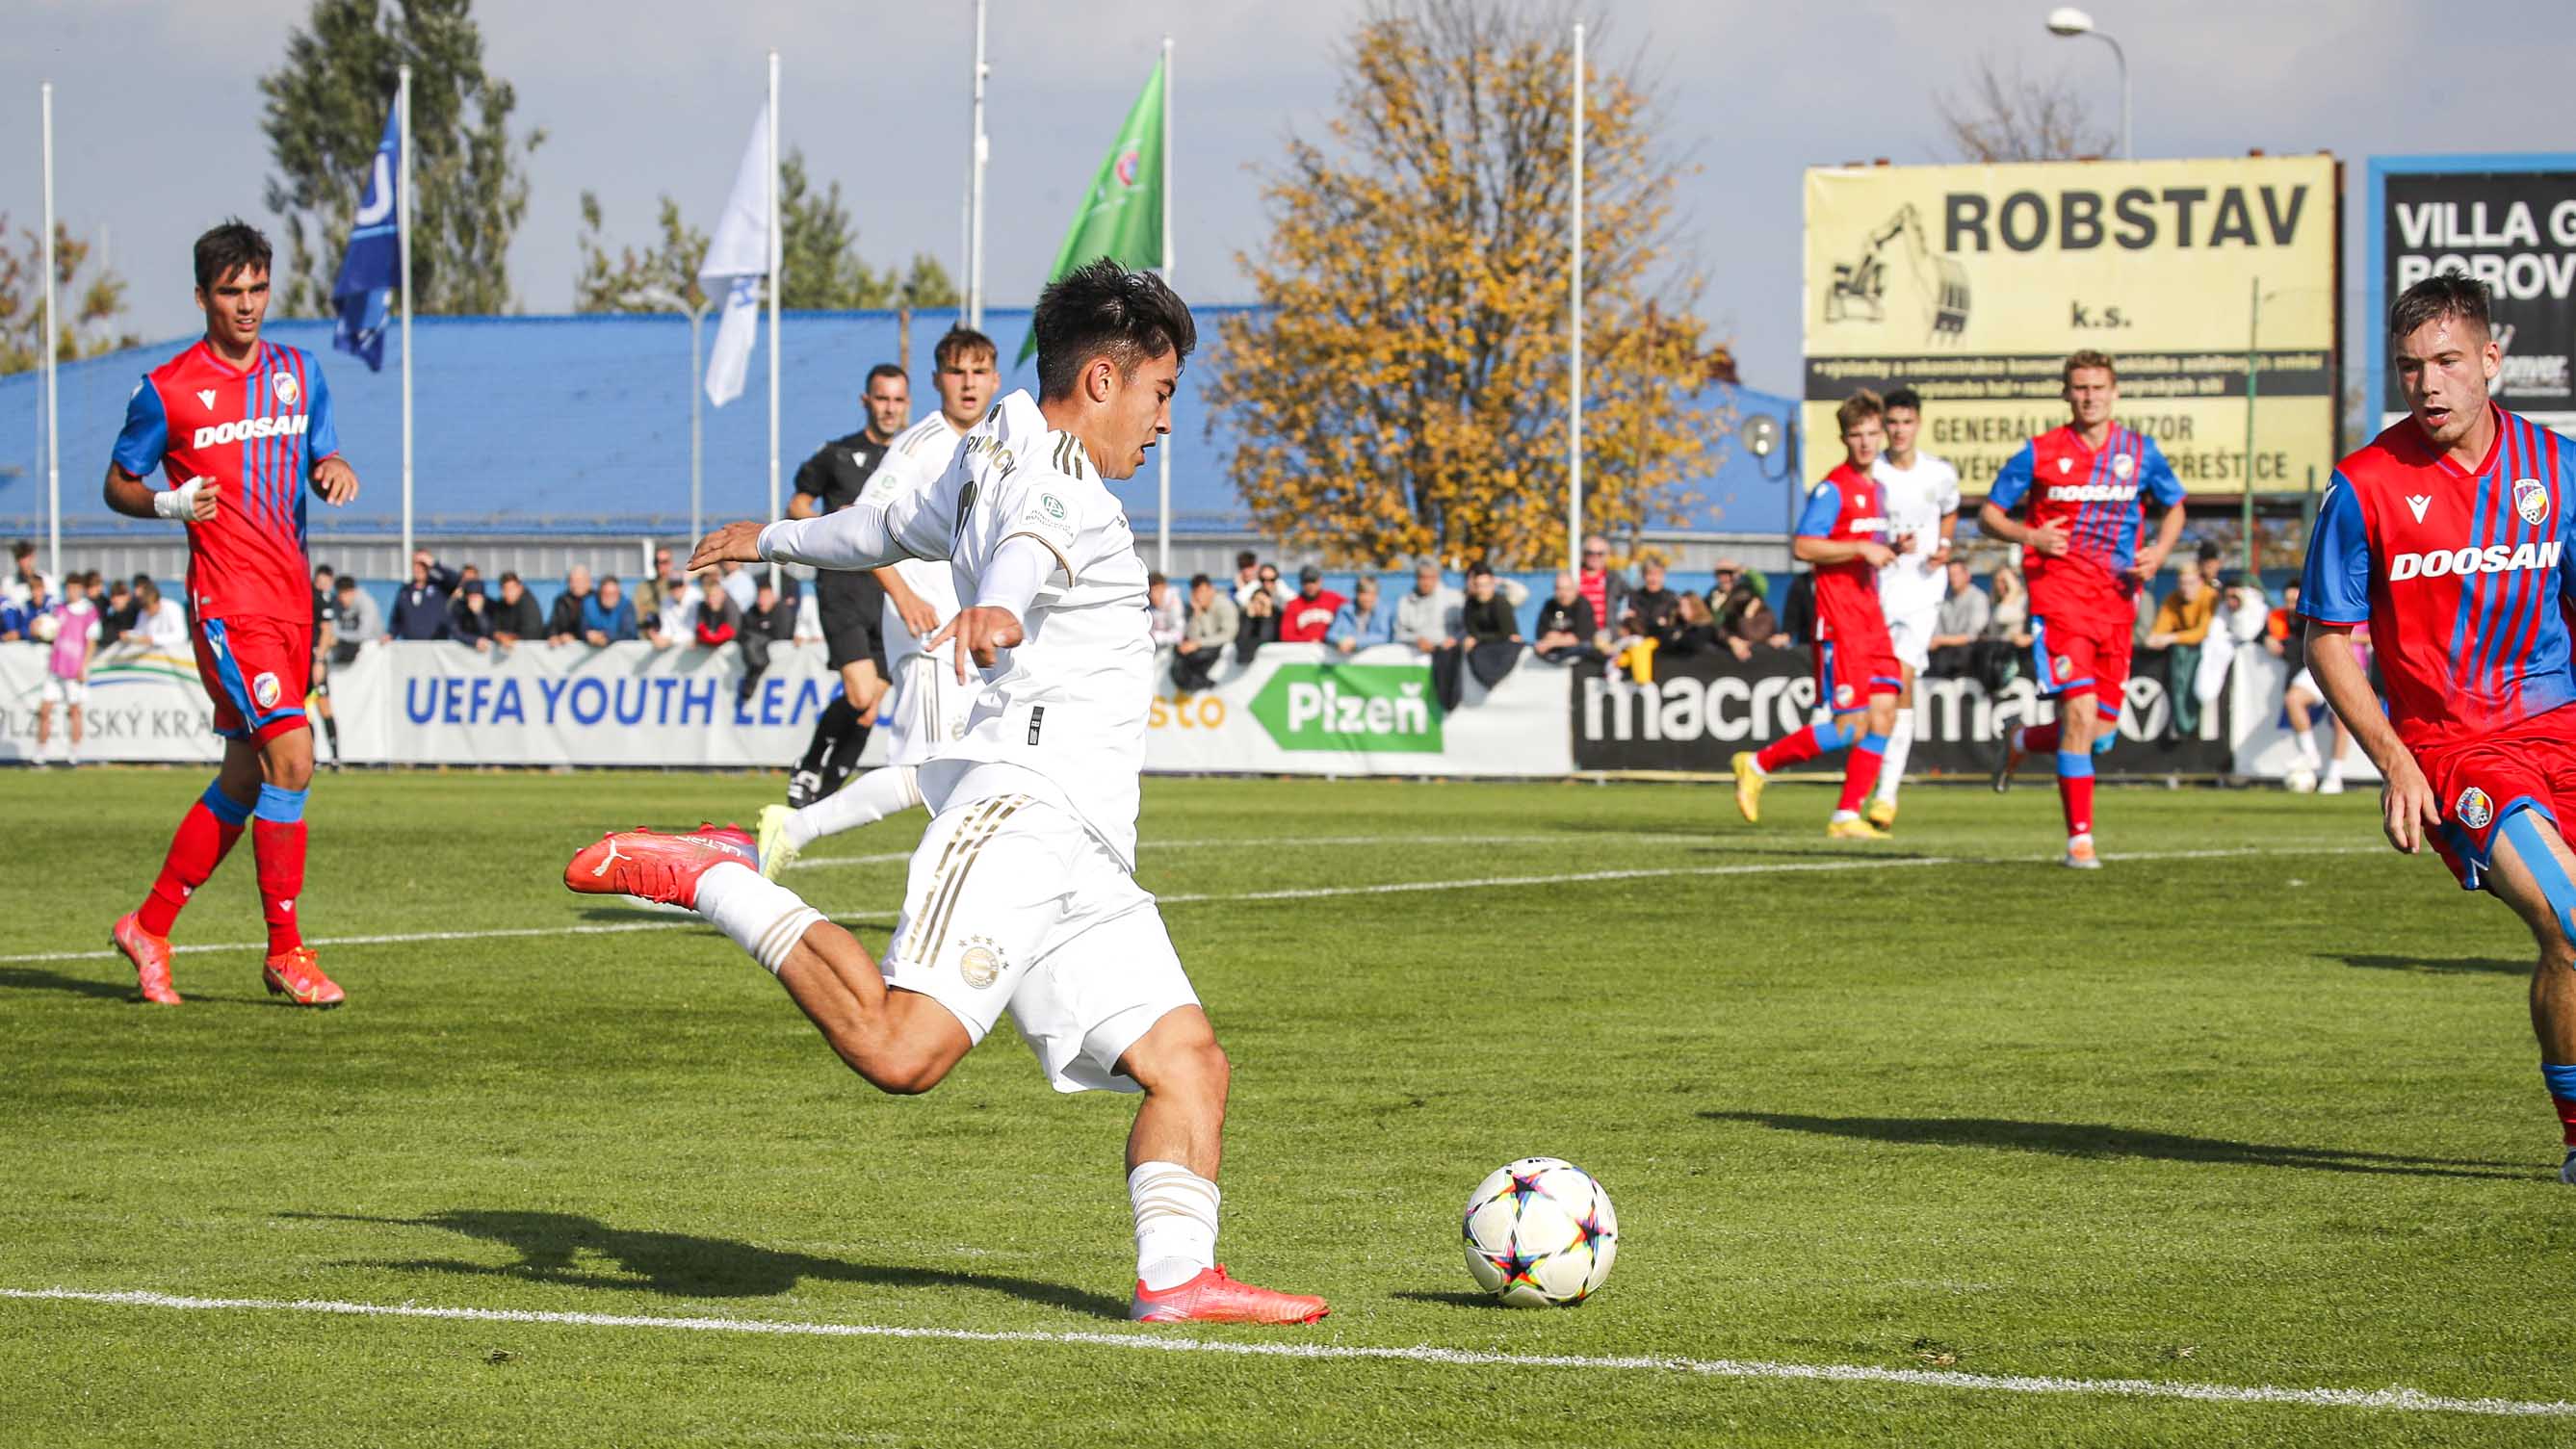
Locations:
(2406, 800)
(194, 501)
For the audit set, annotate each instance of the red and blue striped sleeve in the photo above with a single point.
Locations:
(2012, 483)
(322, 432)
(145, 438)
(2334, 586)
(1824, 509)
(2159, 481)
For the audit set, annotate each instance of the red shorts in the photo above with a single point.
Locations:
(1854, 660)
(2081, 652)
(256, 670)
(2530, 765)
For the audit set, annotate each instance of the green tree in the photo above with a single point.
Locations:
(619, 283)
(325, 114)
(85, 312)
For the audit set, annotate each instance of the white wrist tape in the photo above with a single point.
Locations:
(179, 504)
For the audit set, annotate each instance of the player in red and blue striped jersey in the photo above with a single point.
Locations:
(2083, 488)
(2447, 538)
(239, 428)
(1842, 534)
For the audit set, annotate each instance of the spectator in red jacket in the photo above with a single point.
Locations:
(718, 617)
(1305, 618)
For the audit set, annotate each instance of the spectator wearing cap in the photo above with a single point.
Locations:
(1308, 614)
(1213, 621)
(514, 614)
(1362, 622)
(469, 617)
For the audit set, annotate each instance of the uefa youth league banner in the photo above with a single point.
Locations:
(2510, 222)
(1305, 709)
(1972, 284)
(144, 707)
(1703, 708)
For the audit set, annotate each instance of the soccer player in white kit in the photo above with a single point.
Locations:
(1922, 508)
(1022, 896)
(917, 713)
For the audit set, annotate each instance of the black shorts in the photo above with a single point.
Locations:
(853, 609)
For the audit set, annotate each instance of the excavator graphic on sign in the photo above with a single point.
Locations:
(1859, 290)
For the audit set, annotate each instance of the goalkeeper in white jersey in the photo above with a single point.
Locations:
(1022, 896)
(1921, 504)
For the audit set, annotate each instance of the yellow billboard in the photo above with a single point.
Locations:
(1972, 284)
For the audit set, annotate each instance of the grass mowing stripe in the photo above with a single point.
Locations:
(1304, 893)
(2400, 1399)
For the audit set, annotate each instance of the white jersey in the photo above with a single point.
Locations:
(917, 456)
(1913, 501)
(1067, 707)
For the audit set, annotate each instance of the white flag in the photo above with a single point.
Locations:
(737, 260)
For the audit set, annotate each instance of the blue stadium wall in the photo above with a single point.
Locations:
(580, 425)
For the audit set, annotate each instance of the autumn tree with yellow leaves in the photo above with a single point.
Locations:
(1403, 392)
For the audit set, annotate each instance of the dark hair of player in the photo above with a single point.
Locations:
(2088, 358)
(1860, 407)
(1102, 309)
(1904, 397)
(2453, 293)
(884, 369)
(960, 343)
(228, 249)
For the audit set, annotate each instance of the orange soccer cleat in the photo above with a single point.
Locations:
(296, 976)
(1214, 1297)
(151, 957)
(655, 866)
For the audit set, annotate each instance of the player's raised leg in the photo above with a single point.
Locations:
(2535, 873)
(785, 832)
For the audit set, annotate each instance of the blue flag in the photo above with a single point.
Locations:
(368, 274)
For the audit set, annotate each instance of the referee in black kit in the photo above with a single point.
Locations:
(852, 605)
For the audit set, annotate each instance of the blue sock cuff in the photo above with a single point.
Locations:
(282, 807)
(2074, 765)
(222, 806)
(2103, 742)
(1872, 745)
(2561, 1080)
(1831, 735)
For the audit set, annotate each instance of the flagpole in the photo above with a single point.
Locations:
(1574, 342)
(53, 439)
(777, 284)
(975, 190)
(1163, 504)
(402, 237)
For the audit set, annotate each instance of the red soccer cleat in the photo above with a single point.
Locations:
(151, 957)
(296, 976)
(655, 866)
(1214, 1297)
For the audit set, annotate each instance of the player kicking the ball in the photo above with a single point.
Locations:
(2447, 538)
(2084, 484)
(1840, 534)
(1021, 896)
(241, 428)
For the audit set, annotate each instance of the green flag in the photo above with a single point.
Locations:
(1122, 213)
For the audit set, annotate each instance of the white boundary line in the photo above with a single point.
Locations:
(809, 862)
(2403, 1399)
(1304, 893)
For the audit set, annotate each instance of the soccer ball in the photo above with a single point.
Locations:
(45, 627)
(1540, 1234)
(2301, 780)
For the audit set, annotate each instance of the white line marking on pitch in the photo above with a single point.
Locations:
(1304, 893)
(809, 862)
(2409, 1400)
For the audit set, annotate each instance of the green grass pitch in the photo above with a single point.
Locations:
(2258, 1110)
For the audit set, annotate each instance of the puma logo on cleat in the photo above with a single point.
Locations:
(608, 860)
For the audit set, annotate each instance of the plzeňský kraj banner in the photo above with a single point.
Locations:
(626, 704)
(143, 706)
(1308, 710)
(1973, 283)
(1702, 708)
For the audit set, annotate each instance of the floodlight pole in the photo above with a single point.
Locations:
(981, 151)
(2253, 389)
(1574, 337)
(53, 440)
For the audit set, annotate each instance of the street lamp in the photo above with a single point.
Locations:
(665, 297)
(2067, 21)
(1762, 435)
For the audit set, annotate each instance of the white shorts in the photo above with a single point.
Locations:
(74, 692)
(926, 708)
(1013, 905)
(1910, 632)
(2303, 680)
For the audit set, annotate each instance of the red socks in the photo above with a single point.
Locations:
(2075, 796)
(278, 845)
(206, 835)
(1860, 775)
(1799, 748)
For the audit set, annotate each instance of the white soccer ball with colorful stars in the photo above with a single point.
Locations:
(1540, 1234)
(2301, 780)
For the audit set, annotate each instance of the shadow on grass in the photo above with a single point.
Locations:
(552, 1247)
(2093, 1140)
(1449, 1300)
(21, 978)
(2448, 966)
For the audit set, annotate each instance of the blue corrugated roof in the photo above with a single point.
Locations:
(581, 424)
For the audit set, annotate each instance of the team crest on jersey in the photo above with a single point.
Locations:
(2473, 809)
(2122, 465)
(2530, 499)
(980, 963)
(283, 384)
(2064, 665)
(1053, 505)
(1842, 694)
(263, 690)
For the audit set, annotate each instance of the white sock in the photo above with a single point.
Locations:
(2334, 768)
(1175, 1223)
(762, 917)
(864, 801)
(2306, 740)
(1891, 769)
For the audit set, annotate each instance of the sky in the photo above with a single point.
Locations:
(157, 114)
